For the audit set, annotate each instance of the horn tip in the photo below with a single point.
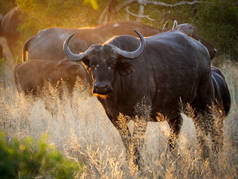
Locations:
(136, 31)
(71, 35)
(68, 38)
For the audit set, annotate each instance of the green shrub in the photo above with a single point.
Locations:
(30, 159)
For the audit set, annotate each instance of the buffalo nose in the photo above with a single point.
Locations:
(102, 88)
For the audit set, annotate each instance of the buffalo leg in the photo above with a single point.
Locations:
(201, 127)
(134, 143)
(121, 125)
(217, 135)
(175, 127)
(203, 119)
(137, 143)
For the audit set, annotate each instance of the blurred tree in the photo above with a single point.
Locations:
(6, 5)
(92, 2)
(57, 13)
(217, 21)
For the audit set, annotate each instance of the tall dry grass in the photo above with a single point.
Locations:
(82, 131)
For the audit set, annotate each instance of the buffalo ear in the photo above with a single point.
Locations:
(124, 68)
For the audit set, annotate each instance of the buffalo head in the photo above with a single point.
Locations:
(103, 62)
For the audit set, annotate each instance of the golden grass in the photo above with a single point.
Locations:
(82, 131)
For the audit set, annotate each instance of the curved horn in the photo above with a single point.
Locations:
(69, 53)
(132, 54)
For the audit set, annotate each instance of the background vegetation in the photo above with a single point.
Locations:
(31, 158)
(218, 23)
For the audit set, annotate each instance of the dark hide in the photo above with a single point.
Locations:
(172, 68)
(48, 43)
(222, 94)
(9, 26)
(35, 75)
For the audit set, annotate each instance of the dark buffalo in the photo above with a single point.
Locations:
(9, 26)
(34, 76)
(222, 94)
(151, 77)
(192, 32)
(47, 44)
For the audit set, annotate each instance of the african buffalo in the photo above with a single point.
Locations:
(192, 32)
(156, 75)
(47, 44)
(35, 75)
(9, 26)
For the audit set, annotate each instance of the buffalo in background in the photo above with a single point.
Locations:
(49, 78)
(35, 76)
(48, 43)
(9, 26)
(151, 77)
